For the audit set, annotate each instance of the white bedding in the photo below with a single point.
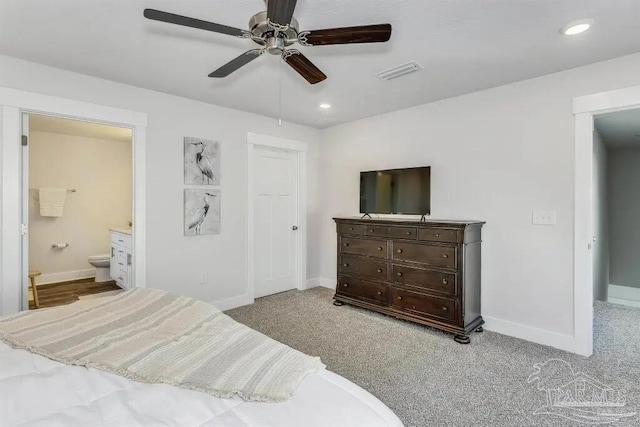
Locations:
(35, 391)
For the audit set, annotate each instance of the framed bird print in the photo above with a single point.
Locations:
(201, 162)
(201, 212)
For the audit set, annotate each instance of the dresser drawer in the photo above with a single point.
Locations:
(439, 256)
(438, 235)
(363, 290)
(419, 303)
(363, 267)
(428, 279)
(351, 229)
(391, 231)
(364, 247)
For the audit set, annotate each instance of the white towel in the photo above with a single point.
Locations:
(52, 201)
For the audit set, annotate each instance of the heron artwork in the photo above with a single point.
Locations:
(198, 209)
(202, 162)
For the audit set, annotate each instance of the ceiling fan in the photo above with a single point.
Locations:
(275, 30)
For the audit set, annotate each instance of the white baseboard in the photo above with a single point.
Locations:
(517, 330)
(626, 293)
(622, 301)
(234, 302)
(321, 281)
(529, 333)
(65, 276)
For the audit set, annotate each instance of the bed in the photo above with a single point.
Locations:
(41, 391)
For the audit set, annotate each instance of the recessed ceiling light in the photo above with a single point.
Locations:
(576, 27)
(325, 106)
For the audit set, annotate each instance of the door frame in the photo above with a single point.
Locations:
(584, 110)
(299, 148)
(13, 103)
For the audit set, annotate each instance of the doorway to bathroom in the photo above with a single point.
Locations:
(77, 209)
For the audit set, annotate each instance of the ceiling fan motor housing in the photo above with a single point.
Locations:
(265, 35)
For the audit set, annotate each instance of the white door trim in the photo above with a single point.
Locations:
(584, 109)
(300, 148)
(12, 104)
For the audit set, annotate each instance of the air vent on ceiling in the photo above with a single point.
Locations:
(399, 71)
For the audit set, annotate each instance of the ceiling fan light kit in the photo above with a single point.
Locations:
(275, 30)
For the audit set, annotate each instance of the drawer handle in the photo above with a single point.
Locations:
(345, 285)
(379, 292)
(445, 255)
(437, 234)
(399, 251)
(444, 309)
(399, 297)
(379, 248)
(346, 264)
(408, 233)
(345, 244)
(371, 230)
(379, 270)
(399, 273)
(445, 282)
(350, 228)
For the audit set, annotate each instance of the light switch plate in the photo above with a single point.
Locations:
(544, 218)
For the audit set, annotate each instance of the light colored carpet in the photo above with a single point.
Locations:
(429, 380)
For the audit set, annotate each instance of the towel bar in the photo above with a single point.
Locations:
(70, 190)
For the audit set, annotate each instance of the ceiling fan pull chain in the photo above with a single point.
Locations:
(280, 92)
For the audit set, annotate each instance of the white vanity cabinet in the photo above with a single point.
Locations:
(121, 268)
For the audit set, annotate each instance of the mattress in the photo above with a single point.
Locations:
(36, 391)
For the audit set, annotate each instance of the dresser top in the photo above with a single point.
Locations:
(410, 222)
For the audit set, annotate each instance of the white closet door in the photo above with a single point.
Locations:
(275, 223)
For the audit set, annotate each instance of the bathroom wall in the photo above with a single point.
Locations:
(101, 171)
(623, 173)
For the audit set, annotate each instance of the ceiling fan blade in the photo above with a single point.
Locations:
(237, 63)
(364, 34)
(281, 11)
(172, 18)
(303, 66)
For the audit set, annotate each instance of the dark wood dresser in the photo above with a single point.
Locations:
(424, 272)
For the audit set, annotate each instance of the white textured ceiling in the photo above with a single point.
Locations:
(78, 128)
(620, 129)
(464, 46)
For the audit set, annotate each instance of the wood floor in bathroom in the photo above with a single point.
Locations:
(64, 293)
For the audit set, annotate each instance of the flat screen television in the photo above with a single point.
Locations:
(396, 191)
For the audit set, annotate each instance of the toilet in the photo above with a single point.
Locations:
(102, 264)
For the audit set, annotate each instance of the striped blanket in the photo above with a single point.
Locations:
(156, 337)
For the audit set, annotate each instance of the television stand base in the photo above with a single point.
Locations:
(366, 216)
(423, 218)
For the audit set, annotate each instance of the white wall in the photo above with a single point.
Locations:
(624, 213)
(600, 220)
(175, 262)
(100, 171)
(496, 155)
